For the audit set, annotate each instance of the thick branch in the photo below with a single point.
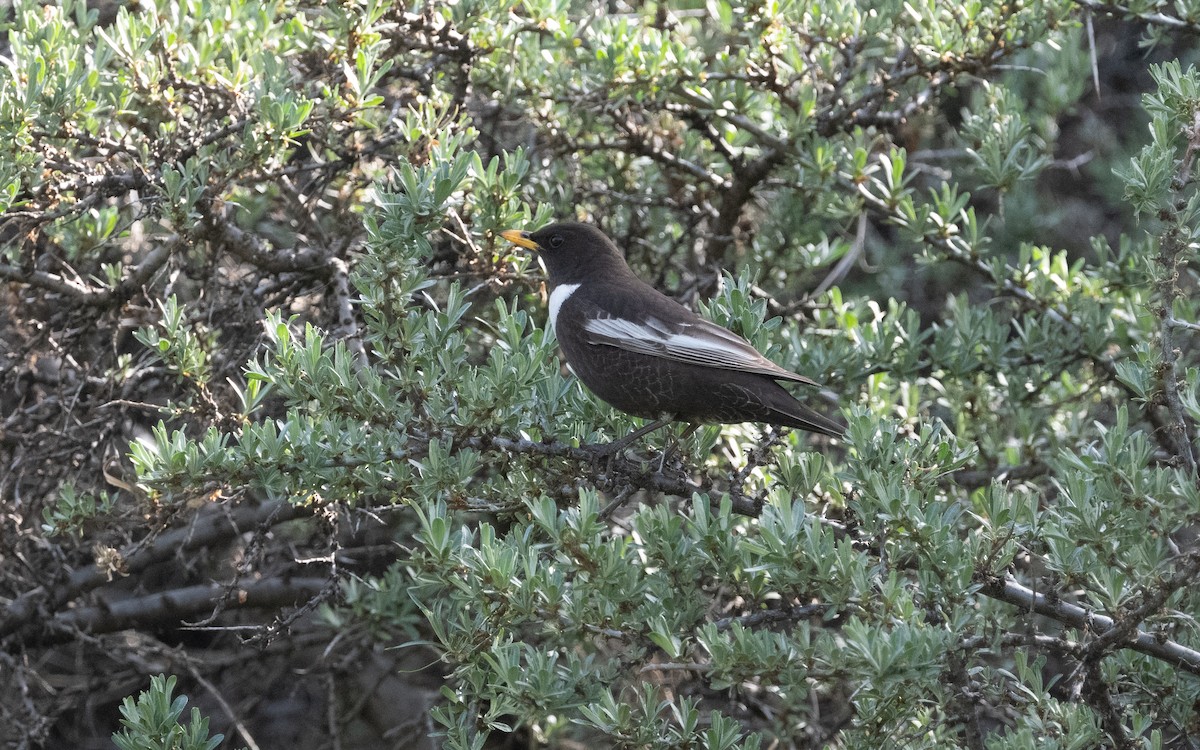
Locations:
(216, 227)
(1151, 19)
(1075, 616)
(218, 524)
(733, 200)
(49, 281)
(972, 479)
(1099, 696)
(169, 607)
(1172, 248)
(1150, 602)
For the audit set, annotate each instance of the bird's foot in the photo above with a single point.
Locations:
(673, 466)
(612, 449)
(601, 458)
(672, 451)
(605, 457)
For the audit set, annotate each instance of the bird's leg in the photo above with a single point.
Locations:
(618, 445)
(675, 443)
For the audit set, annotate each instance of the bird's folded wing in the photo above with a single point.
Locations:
(699, 343)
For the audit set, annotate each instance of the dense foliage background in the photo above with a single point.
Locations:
(280, 416)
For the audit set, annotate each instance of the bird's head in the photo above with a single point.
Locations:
(571, 251)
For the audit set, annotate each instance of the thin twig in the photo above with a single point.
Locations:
(220, 699)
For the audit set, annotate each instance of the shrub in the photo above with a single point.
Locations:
(269, 366)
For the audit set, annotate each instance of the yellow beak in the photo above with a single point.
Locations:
(517, 237)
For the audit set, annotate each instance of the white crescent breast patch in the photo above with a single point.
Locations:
(561, 294)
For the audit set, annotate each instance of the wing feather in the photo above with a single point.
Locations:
(699, 343)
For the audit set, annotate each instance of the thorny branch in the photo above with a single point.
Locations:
(1172, 249)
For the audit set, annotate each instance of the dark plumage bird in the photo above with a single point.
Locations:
(648, 355)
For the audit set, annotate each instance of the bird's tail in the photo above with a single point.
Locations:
(806, 419)
(786, 411)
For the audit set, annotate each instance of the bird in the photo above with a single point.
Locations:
(646, 354)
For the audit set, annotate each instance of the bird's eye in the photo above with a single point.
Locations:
(556, 241)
